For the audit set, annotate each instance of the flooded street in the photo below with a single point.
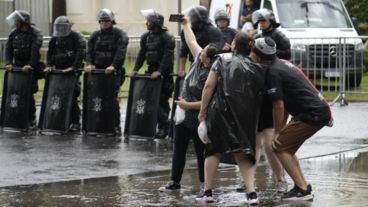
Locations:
(78, 171)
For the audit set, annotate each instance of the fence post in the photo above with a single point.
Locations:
(341, 51)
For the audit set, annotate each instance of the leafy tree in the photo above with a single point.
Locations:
(358, 9)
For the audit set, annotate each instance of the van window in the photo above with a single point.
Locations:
(268, 5)
(312, 14)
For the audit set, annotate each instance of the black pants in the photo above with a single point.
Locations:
(182, 136)
(120, 78)
(32, 102)
(75, 116)
(32, 109)
(164, 105)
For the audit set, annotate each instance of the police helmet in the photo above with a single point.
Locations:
(154, 17)
(62, 27)
(197, 14)
(221, 14)
(264, 14)
(18, 15)
(106, 15)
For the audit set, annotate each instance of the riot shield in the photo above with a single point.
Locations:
(177, 88)
(142, 108)
(17, 92)
(99, 100)
(55, 116)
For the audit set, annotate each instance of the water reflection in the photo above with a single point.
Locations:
(338, 180)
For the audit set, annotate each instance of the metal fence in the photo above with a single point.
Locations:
(334, 65)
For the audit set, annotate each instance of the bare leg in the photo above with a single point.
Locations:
(277, 169)
(210, 169)
(259, 146)
(247, 170)
(292, 167)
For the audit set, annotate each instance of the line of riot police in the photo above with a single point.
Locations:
(102, 62)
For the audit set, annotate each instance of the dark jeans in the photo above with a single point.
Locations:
(182, 136)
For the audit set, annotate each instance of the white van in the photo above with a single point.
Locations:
(323, 40)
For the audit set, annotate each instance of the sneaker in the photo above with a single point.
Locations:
(205, 197)
(171, 186)
(252, 199)
(298, 194)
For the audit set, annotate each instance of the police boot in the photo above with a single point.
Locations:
(161, 133)
(75, 127)
(32, 125)
(117, 131)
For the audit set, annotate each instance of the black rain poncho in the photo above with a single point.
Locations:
(234, 109)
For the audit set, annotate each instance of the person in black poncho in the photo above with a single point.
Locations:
(231, 102)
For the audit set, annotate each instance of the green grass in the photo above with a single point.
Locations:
(355, 94)
(123, 95)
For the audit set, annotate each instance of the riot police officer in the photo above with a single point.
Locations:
(222, 21)
(157, 48)
(204, 32)
(67, 50)
(107, 49)
(23, 50)
(268, 26)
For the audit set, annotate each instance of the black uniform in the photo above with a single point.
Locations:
(204, 36)
(23, 48)
(282, 42)
(66, 52)
(109, 47)
(228, 34)
(157, 48)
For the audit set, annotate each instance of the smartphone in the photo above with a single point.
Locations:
(176, 18)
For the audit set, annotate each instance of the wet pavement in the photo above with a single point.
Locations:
(88, 171)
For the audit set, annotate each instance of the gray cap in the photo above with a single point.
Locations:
(265, 45)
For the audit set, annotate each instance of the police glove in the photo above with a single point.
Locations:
(47, 69)
(109, 70)
(88, 68)
(155, 75)
(26, 68)
(9, 67)
(134, 73)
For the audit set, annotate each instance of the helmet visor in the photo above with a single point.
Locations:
(149, 14)
(61, 30)
(13, 18)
